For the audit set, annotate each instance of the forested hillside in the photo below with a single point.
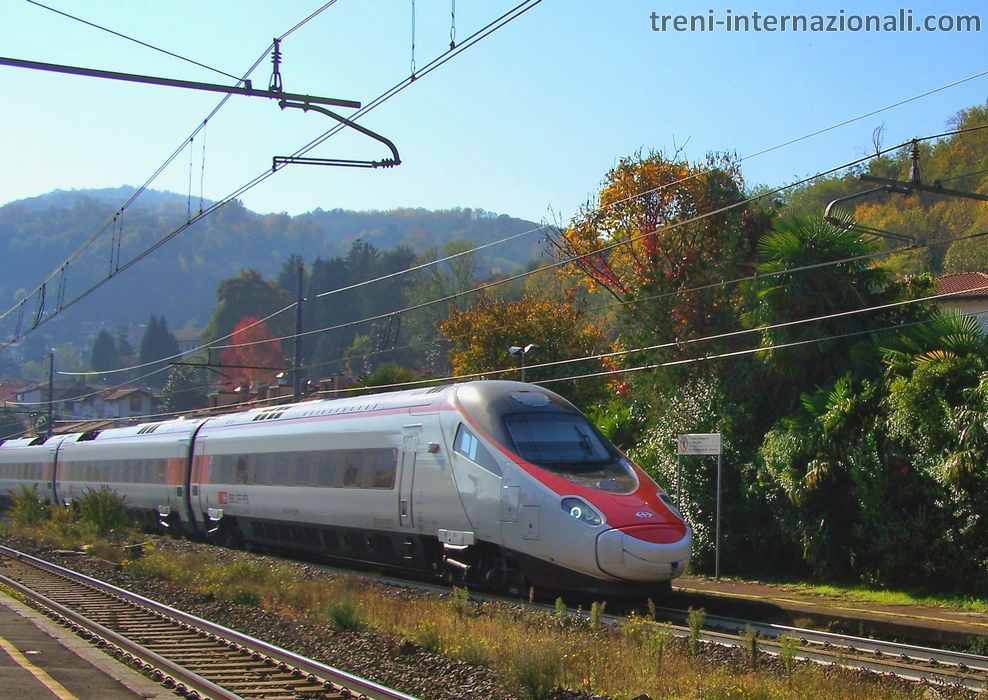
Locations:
(180, 280)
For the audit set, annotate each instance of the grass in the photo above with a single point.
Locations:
(861, 595)
(533, 651)
(97, 521)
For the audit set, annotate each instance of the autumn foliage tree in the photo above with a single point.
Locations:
(254, 356)
(660, 236)
(560, 326)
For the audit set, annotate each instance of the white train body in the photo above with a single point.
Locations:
(498, 484)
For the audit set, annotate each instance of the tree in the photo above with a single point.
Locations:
(158, 345)
(186, 389)
(561, 327)
(104, 355)
(249, 294)
(810, 270)
(659, 227)
(253, 355)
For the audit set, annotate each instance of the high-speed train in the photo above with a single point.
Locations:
(494, 484)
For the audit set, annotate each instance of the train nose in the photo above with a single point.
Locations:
(644, 552)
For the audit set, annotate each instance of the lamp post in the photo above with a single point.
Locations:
(518, 350)
(51, 384)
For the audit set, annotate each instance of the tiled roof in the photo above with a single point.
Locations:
(964, 284)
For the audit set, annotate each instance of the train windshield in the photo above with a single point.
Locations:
(566, 444)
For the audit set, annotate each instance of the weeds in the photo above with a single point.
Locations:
(750, 639)
(459, 601)
(790, 648)
(27, 509)
(537, 671)
(345, 615)
(427, 637)
(531, 650)
(694, 620)
(104, 510)
(560, 609)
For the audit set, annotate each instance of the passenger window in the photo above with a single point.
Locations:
(284, 473)
(351, 470)
(327, 469)
(303, 469)
(385, 462)
(467, 444)
(241, 474)
(261, 469)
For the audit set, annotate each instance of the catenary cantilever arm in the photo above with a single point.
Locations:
(305, 106)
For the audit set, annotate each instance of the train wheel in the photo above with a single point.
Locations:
(494, 572)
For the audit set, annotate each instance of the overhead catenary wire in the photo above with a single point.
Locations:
(168, 161)
(543, 269)
(132, 39)
(475, 38)
(607, 248)
(493, 26)
(336, 291)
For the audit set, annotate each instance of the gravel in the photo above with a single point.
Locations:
(385, 660)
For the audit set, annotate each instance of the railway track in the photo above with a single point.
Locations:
(906, 661)
(195, 657)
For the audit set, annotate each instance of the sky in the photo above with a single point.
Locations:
(527, 122)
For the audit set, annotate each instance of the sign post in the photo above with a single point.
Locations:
(701, 444)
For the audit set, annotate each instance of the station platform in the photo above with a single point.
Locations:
(40, 660)
(788, 605)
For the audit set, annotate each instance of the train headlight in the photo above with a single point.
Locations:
(579, 510)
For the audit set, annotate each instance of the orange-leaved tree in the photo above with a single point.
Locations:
(253, 356)
(660, 237)
(560, 326)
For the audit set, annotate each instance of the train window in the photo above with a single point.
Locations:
(303, 469)
(385, 462)
(568, 445)
(261, 463)
(240, 473)
(327, 462)
(162, 471)
(284, 472)
(352, 466)
(466, 443)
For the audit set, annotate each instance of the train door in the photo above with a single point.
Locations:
(406, 480)
(198, 501)
(50, 473)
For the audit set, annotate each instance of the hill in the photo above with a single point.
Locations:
(179, 280)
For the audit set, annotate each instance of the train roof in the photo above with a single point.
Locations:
(427, 398)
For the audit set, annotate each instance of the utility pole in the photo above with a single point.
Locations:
(297, 374)
(51, 391)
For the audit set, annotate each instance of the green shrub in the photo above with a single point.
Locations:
(345, 615)
(537, 671)
(27, 509)
(104, 511)
(790, 647)
(427, 637)
(694, 620)
(459, 600)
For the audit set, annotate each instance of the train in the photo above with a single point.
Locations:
(498, 485)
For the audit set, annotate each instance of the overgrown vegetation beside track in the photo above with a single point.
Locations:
(536, 651)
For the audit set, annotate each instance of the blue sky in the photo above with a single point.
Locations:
(527, 121)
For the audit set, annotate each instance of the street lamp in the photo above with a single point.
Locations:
(517, 350)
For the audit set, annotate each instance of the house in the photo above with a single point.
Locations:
(188, 340)
(966, 292)
(71, 399)
(10, 386)
(127, 403)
